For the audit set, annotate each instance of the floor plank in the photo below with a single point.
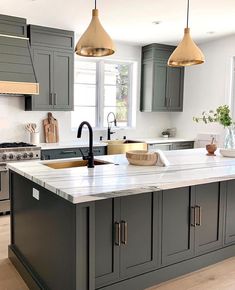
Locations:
(9, 277)
(220, 276)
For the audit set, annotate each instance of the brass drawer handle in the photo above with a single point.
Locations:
(117, 237)
(124, 232)
(198, 211)
(193, 216)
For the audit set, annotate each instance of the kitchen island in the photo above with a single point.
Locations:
(118, 226)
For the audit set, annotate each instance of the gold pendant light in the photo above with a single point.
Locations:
(187, 53)
(95, 42)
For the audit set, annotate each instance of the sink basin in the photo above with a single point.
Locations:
(71, 164)
(122, 146)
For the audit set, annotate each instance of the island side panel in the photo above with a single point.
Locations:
(43, 234)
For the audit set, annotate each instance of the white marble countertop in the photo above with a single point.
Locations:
(70, 144)
(78, 185)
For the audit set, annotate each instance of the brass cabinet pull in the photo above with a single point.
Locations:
(55, 98)
(50, 98)
(117, 238)
(198, 211)
(124, 232)
(193, 216)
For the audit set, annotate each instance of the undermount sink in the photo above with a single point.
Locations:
(71, 164)
(122, 146)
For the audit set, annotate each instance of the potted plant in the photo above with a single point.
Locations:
(222, 116)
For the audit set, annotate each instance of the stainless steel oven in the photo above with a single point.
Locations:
(4, 188)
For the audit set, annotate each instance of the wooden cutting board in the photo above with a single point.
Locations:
(51, 129)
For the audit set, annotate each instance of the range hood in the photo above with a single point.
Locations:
(17, 74)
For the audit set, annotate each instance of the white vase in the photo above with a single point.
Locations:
(34, 138)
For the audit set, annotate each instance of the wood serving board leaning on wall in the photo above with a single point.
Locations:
(51, 129)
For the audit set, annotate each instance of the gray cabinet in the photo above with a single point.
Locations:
(192, 221)
(53, 58)
(161, 86)
(230, 213)
(48, 154)
(209, 211)
(127, 239)
(177, 233)
(10, 25)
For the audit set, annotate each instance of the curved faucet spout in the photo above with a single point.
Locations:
(90, 157)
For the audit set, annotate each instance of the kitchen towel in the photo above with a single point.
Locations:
(162, 160)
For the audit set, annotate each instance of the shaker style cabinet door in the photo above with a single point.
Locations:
(140, 215)
(107, 247)
(209, 212)
(177, 225)
(63, 80)
(230, 213)
(159, 86)
(43, 63)
(175, 87)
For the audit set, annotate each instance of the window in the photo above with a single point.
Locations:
(102, 87)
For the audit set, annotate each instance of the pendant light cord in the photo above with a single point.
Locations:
(187, 14)
(95, 4)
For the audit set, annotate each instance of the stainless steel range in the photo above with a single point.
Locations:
(12, 152)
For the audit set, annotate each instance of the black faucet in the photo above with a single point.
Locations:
(109, 133)
(90, 157)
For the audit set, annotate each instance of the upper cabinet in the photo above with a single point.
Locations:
(13, 26)
(53, 56)
(161, 86)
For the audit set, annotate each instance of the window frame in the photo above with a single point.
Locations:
(99, 108)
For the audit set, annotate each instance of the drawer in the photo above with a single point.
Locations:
(70, 152)
(183, 145)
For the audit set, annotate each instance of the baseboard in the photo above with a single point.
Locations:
(146, 280)
(24, 271)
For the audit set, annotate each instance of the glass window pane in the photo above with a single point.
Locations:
(85, 72)
(83, 114)
(84, 95)
(121, 115)
(110, 95)
(116, 74)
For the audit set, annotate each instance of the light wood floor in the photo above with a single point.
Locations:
(217, 277)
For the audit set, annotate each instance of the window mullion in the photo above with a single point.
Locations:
(101, 93)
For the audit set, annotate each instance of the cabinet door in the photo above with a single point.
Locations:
(63, 80)
(140, 216)
(147, 87)
(175, 87)
(230, 213)
(43, 63)
(177, 232)
(106, 251)
(159, 86)
(209, 212)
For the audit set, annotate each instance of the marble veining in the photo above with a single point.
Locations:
(80, 184)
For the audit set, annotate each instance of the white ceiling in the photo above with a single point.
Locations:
(131, 20)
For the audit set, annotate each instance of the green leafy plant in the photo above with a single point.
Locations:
(221, 115)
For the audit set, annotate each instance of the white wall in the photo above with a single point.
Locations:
(206, 87)
(13, 117)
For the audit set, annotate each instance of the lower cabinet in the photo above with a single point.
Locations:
(127, 237)
(192, 221)
(230, 213)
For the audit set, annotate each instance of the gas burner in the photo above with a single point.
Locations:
(15, 145)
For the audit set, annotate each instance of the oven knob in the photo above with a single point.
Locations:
(31, 155)
(4, 156)
(11, 156)
(25, 155)
(18, 157)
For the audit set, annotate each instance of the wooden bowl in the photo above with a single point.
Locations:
(142, 157)
(211, 148)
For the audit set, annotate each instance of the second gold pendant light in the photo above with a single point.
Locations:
(187, 53)
(95, 42)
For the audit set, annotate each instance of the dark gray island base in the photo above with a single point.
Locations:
(127, 243)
